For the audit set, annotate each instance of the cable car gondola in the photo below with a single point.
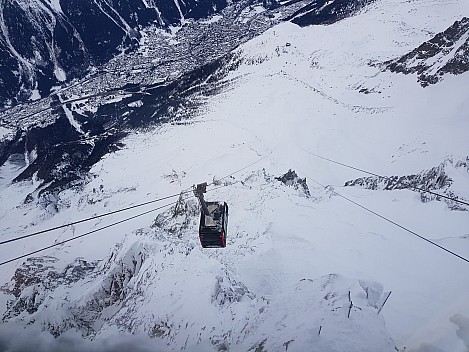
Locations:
(213, 220)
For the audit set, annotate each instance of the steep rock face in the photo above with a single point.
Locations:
(447, 52)
(43, 42)
(326, 12)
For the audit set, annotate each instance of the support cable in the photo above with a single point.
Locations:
(84, 234)
(391, 221)
(90, 218)
(385, 177)
(94, 231)
(113, 224)
(125, 209)
(244, 168)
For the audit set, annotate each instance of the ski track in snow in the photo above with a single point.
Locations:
(291, 260)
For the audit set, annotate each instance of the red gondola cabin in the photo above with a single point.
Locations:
(213, 227)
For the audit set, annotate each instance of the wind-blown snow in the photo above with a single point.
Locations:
(291, 260)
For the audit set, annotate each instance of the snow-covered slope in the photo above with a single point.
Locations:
(303, 269)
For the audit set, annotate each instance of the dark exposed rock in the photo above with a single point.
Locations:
(446, 52)
(160, 330)
(291, 179)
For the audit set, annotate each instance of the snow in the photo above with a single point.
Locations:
(212, 19)
(135, 104)
(55, 4)
(60, 74)
(74, 123)
(291, 260)
(35, 95)
(5, 132)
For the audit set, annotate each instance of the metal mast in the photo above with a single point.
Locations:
(199, 191)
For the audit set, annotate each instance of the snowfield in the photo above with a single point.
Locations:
(301, 272)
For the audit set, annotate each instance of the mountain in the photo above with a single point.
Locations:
(65, 134)
(44, 42)
(285, 124)
(447, 52)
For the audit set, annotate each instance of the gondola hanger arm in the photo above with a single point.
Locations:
(199, 191)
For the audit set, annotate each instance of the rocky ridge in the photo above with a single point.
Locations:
(446, 53)
(436, 179)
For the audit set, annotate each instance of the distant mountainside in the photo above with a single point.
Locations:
(446, 52)
(45, 42)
